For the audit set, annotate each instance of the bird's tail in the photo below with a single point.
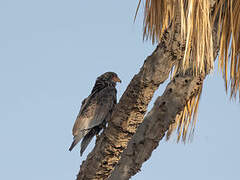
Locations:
(76, 139)
(87, 139)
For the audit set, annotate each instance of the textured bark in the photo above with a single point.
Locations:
(130, 110)
(155, 124)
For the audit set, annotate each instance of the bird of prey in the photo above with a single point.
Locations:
(96, 110)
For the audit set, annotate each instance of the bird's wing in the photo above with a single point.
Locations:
(94, 110)
(106, 100)
(85, 115)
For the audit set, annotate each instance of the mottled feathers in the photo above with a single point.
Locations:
(96, 110)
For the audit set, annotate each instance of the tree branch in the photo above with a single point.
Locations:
(155, 125)
(130, 110)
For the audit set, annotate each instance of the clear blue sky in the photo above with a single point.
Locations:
(51, 51)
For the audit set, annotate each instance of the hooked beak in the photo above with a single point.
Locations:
(116, 79)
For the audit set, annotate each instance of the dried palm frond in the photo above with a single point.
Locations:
(197, 32)
(185, 119)
(157, 16)
(196, 27)
(198, 18)
(227, 14)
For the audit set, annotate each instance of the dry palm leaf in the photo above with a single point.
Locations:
(227, 13)
(195, 27)
(197, 21)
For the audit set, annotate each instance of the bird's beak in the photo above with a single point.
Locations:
(116, 79)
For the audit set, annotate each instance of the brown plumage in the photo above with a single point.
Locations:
(96, 110)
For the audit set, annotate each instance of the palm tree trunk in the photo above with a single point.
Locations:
(157, 121)
(155, 125)
(130, 110)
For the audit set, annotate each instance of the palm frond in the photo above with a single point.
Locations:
(227, 13)
(196, 27)
(157, 16)
(197, 21)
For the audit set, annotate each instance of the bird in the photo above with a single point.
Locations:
(95, 110)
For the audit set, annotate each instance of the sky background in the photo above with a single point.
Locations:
(51, 52)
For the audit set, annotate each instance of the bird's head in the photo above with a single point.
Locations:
(110, 77)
